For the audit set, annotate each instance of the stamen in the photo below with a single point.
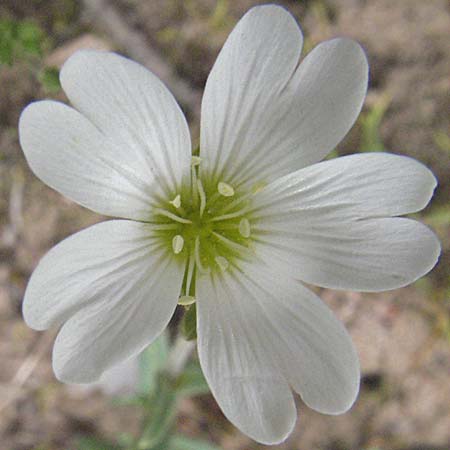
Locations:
(232, 244)
(177, 244)
(163, 226)
(236, 202)
(201, 193)
(244, 228)
(258, 187)
(225, 189)
(222, 263)
(176, 201)
(163, 212)
(201, 267)
(229, 216)
(194, 187)
(186, 300)
(190, 271)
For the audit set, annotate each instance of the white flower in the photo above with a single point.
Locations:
(237, 227)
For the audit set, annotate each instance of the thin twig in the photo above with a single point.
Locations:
(26, 369)
(15, 226)
(106, 16)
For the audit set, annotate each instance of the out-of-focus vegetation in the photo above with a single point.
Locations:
(20, 40)
(25, 42)
(438, 218)
(157, 394)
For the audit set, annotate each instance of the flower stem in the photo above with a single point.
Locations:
(161, 406)
(179, 356)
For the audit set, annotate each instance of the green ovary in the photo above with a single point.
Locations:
(206, 226)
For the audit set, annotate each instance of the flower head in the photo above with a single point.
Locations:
(237, 226)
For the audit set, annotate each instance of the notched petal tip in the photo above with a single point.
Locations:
(275, 14)
(269, 10)
(27, 121)
(278, 435)
(72, 69)
(424, 177)
(26, 112)
(69, 373)
(35, 122)
(353, 53)
(336, 394)
(32, 318)
(269, 17)
(80, 57)
(343, 399)
(431, 257)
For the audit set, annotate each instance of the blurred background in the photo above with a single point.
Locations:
(402, 336)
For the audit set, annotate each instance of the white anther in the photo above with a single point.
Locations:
(225, 189)
(195, 161)
(186, 300)
(244, 228)
(176, 201)
(222, 263)
(177, 244)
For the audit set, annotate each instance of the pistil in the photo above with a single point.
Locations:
(207, 227)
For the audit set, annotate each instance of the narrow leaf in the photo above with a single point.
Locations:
(189, 323)
(151, 362)
(92, 443)
(183, 443)
(370, 126)
(161, 417)
(49, 78)
(191, 381)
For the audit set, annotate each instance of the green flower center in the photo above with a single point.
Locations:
(206, 225)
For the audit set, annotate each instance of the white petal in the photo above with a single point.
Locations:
(116, 289)
(129, 144)
(128, 103)
(314, 348)
(71, 155)
(252, 69)
(259, 329)
(350, 187)
(121, 380)
(367, 255)
(241, 370)
(327, 92)
(323, 223)
(263, 115)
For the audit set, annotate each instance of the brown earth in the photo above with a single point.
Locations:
(403, 337)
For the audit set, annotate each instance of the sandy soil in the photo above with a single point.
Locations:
(402, 336)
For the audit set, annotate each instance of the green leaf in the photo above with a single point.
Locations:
(333, 154)
(162, 407)
(92, 443)
(370, 125)
(6, 41)
(191, 381)
(151, 362)
(439, 217)
(220, 18)
(442, 140)
(49, 78)
(183, 443)
(30, 36)
(19, 40)
(125, 440)
(189, 323)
